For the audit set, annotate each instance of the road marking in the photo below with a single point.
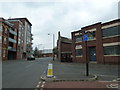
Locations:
(43, 82)
(37, 86)
(112, 86)
(42, 85)
(39, 83)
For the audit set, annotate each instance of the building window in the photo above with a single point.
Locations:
(91, 35)
(78, 38)
(112, 50)
(110, 31)
(0, 52)
(6, 30)
(5, 40)
(0, 38)
(18, 48)
(78, 52)
(4, 53)
(0, 26)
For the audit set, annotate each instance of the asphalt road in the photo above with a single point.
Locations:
(22, 73)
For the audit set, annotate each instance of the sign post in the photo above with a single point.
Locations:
(85, 38)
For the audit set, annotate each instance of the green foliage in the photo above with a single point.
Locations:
(55, 50)
(37, 53)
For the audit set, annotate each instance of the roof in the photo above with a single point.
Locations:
(21, 19)
(66, 40)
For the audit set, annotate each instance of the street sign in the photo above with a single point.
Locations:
(85, 37)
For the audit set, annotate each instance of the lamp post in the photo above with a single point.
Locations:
(53, 44)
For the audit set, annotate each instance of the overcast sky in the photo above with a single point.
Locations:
(66, 16)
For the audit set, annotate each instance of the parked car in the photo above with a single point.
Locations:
(31, 57)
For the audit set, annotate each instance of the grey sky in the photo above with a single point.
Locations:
(50, 16)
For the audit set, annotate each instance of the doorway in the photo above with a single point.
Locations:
(92, 51)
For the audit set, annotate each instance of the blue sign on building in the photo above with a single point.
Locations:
(85, 37)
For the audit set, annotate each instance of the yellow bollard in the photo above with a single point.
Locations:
(50, 70)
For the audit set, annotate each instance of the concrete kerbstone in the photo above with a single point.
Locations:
(53, 79)
(48, 79)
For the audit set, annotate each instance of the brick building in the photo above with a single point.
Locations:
(9, 40)
(27, 37)
(20, 37)
(64, 46)
(15, 38)
(24, 37)
(102, 46)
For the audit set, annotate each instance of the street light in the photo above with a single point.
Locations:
(53, 43)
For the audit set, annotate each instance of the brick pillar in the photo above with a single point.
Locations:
(99, 45)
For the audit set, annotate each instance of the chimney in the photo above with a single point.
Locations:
(59, 35)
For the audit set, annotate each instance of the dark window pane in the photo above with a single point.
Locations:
(112, 50)
(111, 31)
(78, 38)
(117, 50)
(91, 35)
(78, 52)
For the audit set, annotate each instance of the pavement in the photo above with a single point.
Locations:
(79, 84)
(72, 75)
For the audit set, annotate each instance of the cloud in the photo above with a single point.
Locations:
(65, 16)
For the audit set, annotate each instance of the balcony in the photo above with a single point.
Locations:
(13, 32)
(12, 40)
(11, 48)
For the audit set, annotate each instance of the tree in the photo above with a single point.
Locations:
(36, 52)
(55, 50)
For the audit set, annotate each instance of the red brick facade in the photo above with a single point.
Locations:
(9, 40)
(15, 38)
(64, 46)
(99, 43)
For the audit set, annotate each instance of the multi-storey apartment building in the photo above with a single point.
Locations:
(15, 38)
(102, 46)
(9, 40)
(24, 37)
(20, 37)
(28, 36)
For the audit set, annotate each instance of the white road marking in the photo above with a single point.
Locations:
(42, 85)
(37, 86)
(43, 82)
(39, 83)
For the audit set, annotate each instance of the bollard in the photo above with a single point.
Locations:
(50, 70)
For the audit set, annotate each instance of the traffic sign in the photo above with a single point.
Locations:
(85, 37)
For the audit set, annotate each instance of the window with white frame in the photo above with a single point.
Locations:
(78, 38)
(91, 35)
(112, 50)
(78, 52)
(112, 31)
